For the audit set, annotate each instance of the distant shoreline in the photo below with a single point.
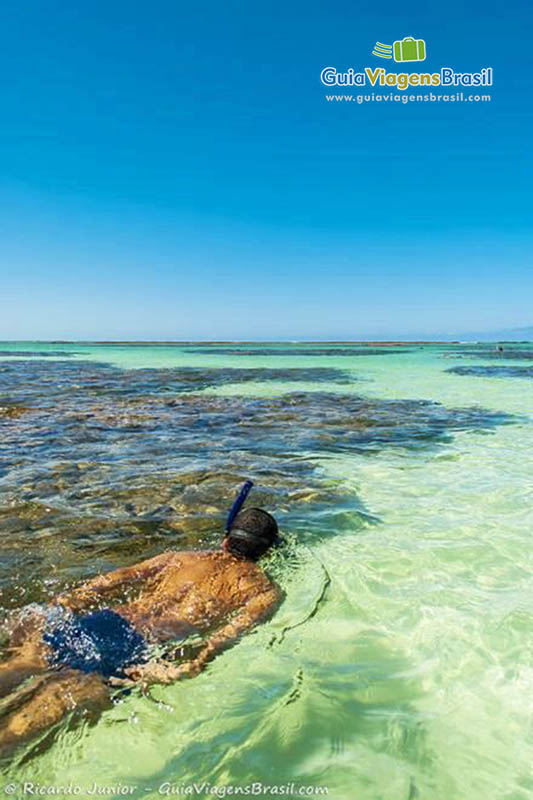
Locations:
(248, 343)
(256, 342)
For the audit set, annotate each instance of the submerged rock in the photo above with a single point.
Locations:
(12, 411)
(114, 465)
(37, 353)
(492, 354)
(300, 351)
(500, 371)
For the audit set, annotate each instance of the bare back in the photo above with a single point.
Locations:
(195, 592)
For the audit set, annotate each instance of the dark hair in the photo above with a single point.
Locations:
(252, 532)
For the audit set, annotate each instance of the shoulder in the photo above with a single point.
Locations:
(196, 556)
(254, 581)
(202, 561)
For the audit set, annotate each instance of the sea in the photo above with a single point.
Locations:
(400, 663)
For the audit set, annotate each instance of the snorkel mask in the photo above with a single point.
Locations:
(252, 532)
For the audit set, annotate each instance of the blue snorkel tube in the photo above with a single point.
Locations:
(238, 503)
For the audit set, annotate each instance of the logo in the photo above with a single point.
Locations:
(407, 49)
(382, 50)
(404, 50)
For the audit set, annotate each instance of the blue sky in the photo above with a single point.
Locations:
(173, 170)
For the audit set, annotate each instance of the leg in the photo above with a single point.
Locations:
(28, 659)
(17, 670)
(62, 693)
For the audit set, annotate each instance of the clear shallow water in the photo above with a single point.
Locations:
(413, 675)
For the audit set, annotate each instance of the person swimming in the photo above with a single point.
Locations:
(86, 640)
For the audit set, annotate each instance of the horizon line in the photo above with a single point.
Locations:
(180, 342)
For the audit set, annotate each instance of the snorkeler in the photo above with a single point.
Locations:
(88, 638)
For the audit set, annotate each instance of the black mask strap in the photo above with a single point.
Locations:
(249, 536)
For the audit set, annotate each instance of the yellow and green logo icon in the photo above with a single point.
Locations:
(382, 50)
(407, 49)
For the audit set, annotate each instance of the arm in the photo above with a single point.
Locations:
(104, 585)
(256, 610)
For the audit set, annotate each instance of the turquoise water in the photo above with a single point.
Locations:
(409, 674)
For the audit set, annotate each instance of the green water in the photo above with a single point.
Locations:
(414, 678)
